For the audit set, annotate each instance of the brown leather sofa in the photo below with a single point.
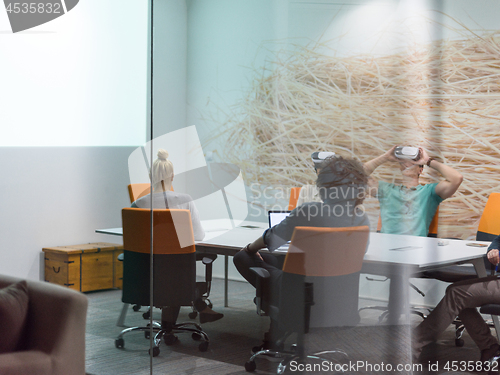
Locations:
(53, 338)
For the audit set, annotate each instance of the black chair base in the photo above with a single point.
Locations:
(415, 310)
(168, 337)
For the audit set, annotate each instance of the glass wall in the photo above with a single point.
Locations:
(261, 85)
(240, 93)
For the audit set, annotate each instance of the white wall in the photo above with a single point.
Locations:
(169, 66)
(224, 43)
(55, 196)
(78, 81)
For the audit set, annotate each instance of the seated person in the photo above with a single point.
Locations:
(409, 208)
(461, 299)
(162, 175)
(310, 193)
(163, 198)
(341, 183)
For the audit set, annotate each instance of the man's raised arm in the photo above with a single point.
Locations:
(373, 164)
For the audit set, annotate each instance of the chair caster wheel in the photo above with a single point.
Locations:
(203, 347)
(147, 335)
(119, 343)
(136, 307)
(156, 351)
(193, 315)
(459, 342)
(196, 336)
(170, 339)
(250, 366)
(146, 315)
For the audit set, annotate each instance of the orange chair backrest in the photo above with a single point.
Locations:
(136, 191)
(433, 227)
(294, 197)
(326, 252)
(490, 219)
(172, 231)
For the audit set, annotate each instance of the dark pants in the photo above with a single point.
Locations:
(169, 314)
(462, 298)
(244, 261)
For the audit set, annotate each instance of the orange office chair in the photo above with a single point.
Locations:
(489, 224)
(174, 269)
(331, 259)
(136, 191)
(294, 197)
(433, 227)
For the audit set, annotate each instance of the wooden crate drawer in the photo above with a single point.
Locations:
(97, 271)
(84, 267)
(63, 269)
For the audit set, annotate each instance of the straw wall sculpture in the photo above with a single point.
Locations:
(444, 97)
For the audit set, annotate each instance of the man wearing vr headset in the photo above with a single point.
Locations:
(310, 193)
(341, 185)
(410, 207)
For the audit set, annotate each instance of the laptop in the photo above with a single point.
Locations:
(275, 217)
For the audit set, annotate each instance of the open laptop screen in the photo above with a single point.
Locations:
(276, 217)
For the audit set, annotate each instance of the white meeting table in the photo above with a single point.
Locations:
(387, 254)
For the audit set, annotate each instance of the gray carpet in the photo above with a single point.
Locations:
(368, 345)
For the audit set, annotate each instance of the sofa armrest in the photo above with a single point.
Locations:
(31, 362)
(55, 325)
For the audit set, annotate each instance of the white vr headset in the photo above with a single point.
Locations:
(319, 157)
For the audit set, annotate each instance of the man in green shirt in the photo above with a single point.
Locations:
(409, 208)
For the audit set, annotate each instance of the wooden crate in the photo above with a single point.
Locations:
(85, 267)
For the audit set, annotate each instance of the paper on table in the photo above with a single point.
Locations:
(405, 248)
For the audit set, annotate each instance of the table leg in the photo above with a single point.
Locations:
(398, 305)
(406, 295)
(226, 274)
(123, 314)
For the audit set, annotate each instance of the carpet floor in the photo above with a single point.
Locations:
(372, 348)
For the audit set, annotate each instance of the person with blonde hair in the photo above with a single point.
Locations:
(162, 175)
